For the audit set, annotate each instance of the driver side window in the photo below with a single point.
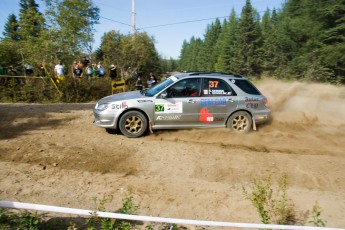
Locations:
(185, 88)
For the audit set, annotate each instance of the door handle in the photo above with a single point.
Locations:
(230, 100)
(191, 101)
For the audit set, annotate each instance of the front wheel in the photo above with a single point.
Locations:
(240, 122)
(133, 124)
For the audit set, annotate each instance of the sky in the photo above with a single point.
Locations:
(169, 22)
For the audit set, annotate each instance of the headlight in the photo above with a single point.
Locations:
(102, 106)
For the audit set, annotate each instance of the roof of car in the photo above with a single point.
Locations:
(207, 74)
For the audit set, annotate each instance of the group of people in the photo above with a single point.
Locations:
(152, 80)
(84, 68)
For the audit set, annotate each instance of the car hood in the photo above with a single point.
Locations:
(121, 97)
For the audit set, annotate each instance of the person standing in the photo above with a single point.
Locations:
(95, 70)
(59, 72)
(77, 71)
(152, 80)
(85, 62)
(89, 71)
(113, 72)
(101, 71)
(139, 83)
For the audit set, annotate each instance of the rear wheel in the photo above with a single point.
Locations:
(133, 124)
(240, 122)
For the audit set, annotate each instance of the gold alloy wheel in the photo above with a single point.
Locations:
(240, 123)
(134, 124)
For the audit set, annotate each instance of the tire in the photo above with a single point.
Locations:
(133, 124)
(240, 122)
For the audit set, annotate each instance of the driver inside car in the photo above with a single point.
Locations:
(190, 91)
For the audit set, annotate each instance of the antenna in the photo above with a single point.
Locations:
(133, 17)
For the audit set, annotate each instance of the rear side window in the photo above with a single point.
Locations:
(246, 87)
(216, 87)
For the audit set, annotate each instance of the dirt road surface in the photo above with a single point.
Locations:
(54, 155)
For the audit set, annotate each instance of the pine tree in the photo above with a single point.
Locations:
(11, 28)
(209, 56)
(31, 21)
(227, 57)
(249, 42)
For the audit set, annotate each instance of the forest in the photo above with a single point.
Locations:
(304, 40)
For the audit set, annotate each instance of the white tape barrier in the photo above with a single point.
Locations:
(47, 208)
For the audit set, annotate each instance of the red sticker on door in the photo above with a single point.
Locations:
(205, 116)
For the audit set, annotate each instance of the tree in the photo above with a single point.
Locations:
(137, 51)
(11, 28)
(31, 21)
(227, 58)
(208, 57)
(71, 25)
(249, 42)
(190, 53)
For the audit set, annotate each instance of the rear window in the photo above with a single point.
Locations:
(246, 86)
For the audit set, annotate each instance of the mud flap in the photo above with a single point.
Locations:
(254, 124)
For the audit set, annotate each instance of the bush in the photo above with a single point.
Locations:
(44, 90)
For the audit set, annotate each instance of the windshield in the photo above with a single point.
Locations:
(160, 86)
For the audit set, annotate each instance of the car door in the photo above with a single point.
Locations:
(217, 101)
(180, 107)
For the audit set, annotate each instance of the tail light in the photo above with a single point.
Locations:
(264, 101)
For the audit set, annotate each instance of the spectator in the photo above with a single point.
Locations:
(41, 71)
(95, 70)
(85, 62)
(12, 71)
(101, 70)
(29, 70)
(77, 71)
(59, 72)
(152, 80)
(135, 74)
(89, 71)
(139, 84)
(113, 72)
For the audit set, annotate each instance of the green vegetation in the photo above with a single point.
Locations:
(273, 205)
(304, 40)
(315, 216)
(44, 91)
(20, 220)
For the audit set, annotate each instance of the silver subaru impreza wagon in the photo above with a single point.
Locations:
(185, 101)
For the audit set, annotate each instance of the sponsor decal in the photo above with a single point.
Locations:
(205, 116)
(206, 91)
(218, 91)
(251, 102)
(143, 101)
(123, 105)
(169, 108)
(159, 107)
(168, 117)
(212, 119)
(213, 102)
